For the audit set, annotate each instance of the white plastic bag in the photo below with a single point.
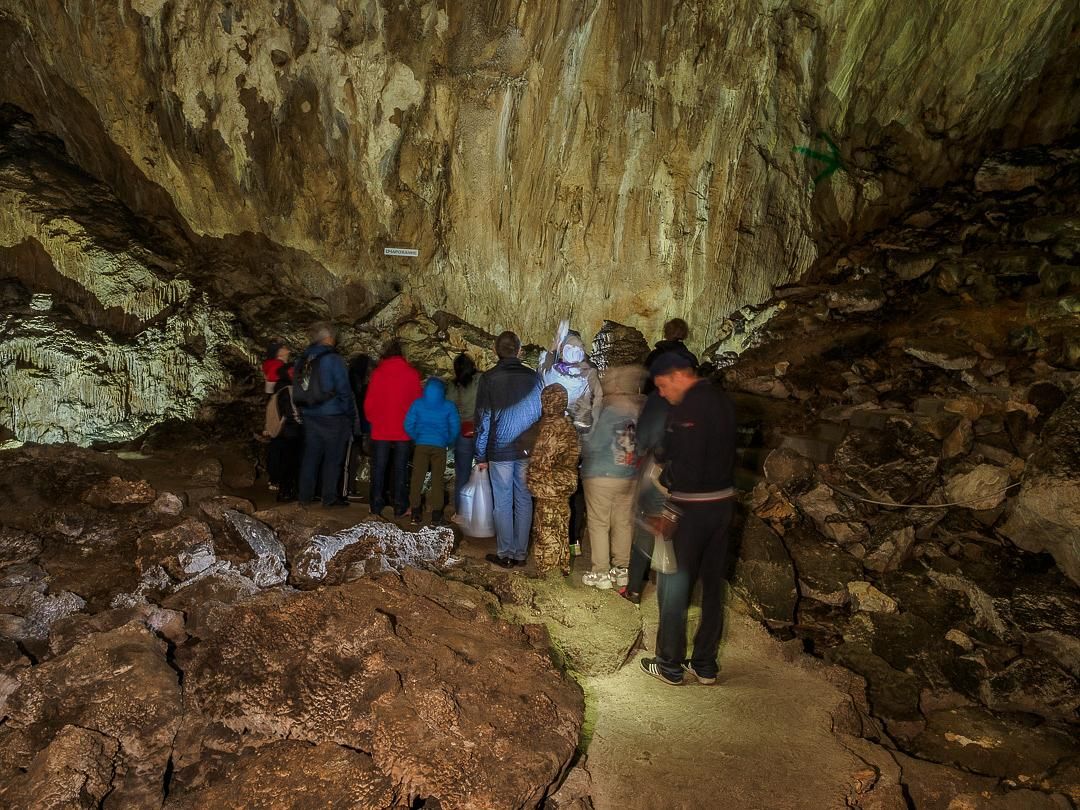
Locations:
(477, 505)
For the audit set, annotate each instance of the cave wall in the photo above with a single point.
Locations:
(622, 159)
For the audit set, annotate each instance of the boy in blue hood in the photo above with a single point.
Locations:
(433, 423)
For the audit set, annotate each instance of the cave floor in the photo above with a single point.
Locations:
(761, 737)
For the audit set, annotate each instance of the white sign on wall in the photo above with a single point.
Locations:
(400, 252)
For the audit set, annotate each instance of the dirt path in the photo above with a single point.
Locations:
(760, 738)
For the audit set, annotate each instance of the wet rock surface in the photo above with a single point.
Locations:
(923, 484)
(191, 679)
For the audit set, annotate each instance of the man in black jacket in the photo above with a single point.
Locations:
(698, 454)
(507, 405)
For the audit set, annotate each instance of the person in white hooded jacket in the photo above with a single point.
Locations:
(568, 365)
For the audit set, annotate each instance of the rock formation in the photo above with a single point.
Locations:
(605, 160)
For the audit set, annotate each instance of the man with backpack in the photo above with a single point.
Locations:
(321, 390)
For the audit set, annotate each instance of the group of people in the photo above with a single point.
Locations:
(647, 454)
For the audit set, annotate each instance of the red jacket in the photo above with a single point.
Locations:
(394, 386)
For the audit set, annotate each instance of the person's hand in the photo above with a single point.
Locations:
(482, 465)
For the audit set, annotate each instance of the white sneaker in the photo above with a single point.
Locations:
(595, 580)
(620, 576)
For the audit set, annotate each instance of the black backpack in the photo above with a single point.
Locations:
(308, 387)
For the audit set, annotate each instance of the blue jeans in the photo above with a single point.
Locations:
(701, 541)
(382, 454)
(463, 459)
(513, 508)
(326, 440)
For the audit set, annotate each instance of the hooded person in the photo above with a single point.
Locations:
(552, 477)
(432, 423)
(567, 364)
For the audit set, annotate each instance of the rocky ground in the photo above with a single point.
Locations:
(169, 636)
(915, 413)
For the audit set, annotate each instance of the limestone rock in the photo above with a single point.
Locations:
(268, 567)
(75, 770)
(888, 546)
(1034, 684)
(372, 546)
(654, 212)
(764, 575)
(434, 696)
(1003, 174)
(560, 609)
(197, 557)
(326, 775)
(831, 520)
(981, 488)
(164, 547)
(787, 469)
(945, 353)
(17, 546)
(1046, 516)
(938, 787)
(90, 687)
(959, 441)
(1007, 746)
(866, 597)
(899, 463)
(618, 345)
(215, 508)
(824, 571)
(116, 492)
(168, 503)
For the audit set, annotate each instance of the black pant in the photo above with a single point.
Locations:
(325, 441)
(283, 463)
(701, 549)
(640, 560)
(396, 455)
(352, 470)
(577, 512)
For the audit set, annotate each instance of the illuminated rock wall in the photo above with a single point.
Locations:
(629, 159)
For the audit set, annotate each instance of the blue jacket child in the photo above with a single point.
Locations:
(432, 420)
(433, 423)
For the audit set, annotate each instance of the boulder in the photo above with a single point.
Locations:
(268, 567)
(945, 353)
(834, 522)
(214, 508)
(1034, 684)
(1012, 172)
(165, 547)
(866, 597)
(117, 685)
(897, 464)
(764, 576)
(981, 488)
(823, 571)
(1046, 514)
(328, 775)
(17, 546)
(788, 469)
(889, 544)
(117, 493)
(1007, 746)
(372, 546)
(75, 770)
(436, 694)
(616, 624)
(168, 503)
(938, 787)
(618, 345)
